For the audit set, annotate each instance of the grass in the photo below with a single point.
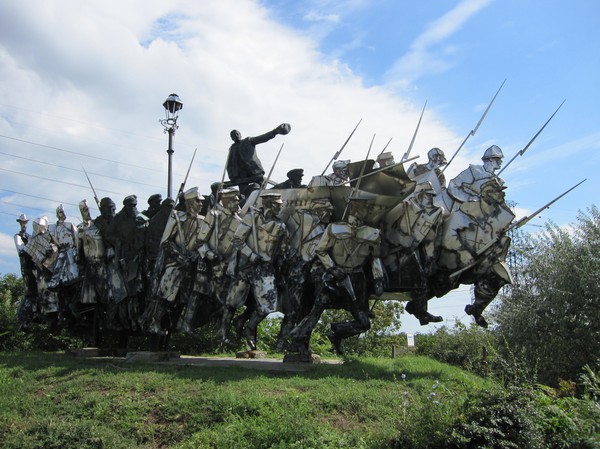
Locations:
(57, 401)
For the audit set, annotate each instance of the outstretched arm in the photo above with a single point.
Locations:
(283, 129)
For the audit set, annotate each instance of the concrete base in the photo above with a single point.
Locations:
(84, 352)
(295, 357)
(149, 356)
(251, 355)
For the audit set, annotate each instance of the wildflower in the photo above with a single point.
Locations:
(403, 376)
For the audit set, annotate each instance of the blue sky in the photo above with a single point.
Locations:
(88, 91)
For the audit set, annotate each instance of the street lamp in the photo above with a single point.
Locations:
(172, 105)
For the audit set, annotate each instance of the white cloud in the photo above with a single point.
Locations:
(93, 85)
(430, 53)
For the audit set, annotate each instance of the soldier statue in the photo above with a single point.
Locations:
(306, 226)
(154, 202)
(178, 287)
(294, 180)
(64, 234)
(422, 172)
(43, 251)
(243, 164)
(123, 239)
(91, 259)
(349, 253)
(467, 185)
(260, 242)
(474, 247)
(410, 245)
(339, 176)
(216, 238)
(30, 293)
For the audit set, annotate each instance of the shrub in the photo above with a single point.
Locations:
(471, 348)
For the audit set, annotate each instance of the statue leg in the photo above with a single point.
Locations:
(300, 335)
(485, 291)
(346, 329)
(185, 322)
(236, 295)
(418, 308)
(251, 328)
(153, 315)
(240, 321)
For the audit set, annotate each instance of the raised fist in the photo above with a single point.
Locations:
(283, 129)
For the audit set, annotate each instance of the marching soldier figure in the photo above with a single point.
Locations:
(26, 307)
(178, 285)
(349, 253)
(260, 240)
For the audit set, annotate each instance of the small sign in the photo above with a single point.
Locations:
(410, 340)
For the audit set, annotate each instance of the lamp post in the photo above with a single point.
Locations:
(172, 105)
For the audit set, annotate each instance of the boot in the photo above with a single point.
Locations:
(475, 313)
(184, 324)
(419, 310)
(336, 342)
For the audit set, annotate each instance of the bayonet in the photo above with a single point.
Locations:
(356, 187)
(385, 147)
(522, 152)
(337, 153)
(182, 186)
(93, 190)
(474, 130)
(405, 157)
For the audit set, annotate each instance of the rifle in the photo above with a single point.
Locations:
(93, 190)
(522, 152)
(405, 157)
(362, 171)
(516, 224)
(473, 131)
(337, 153)
(379, 170)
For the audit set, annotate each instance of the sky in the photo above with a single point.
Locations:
(82, 86)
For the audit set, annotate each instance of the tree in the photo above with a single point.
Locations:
(551, 317)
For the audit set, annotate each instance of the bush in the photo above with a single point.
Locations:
(471, 348)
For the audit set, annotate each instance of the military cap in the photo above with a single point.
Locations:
(192, 193)
(295, 171)
(156, 197)
(271, 198)
(131, 199)
(106, 201)
(226, 193)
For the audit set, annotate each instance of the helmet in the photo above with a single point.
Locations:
(340, 164)
(431, 154)
(492, 152)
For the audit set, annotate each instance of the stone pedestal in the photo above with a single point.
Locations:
(251, 355)
(296, 357)
(84, 352)
(149, 356)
